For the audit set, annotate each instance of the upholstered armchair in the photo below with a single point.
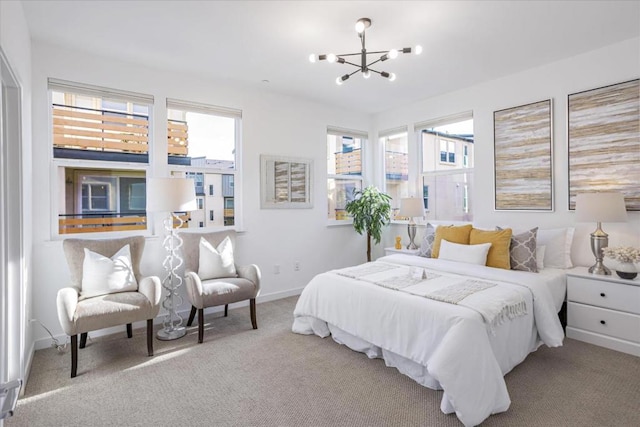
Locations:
(83, 307)
(211, 285)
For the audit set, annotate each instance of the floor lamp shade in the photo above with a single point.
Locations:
(599, 208)
(411, 207)
(171, 195)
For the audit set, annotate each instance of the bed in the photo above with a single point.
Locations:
(400, 308)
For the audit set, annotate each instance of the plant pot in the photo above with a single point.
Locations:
(627, 271)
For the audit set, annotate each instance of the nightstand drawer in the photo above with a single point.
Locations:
(607, 322)
(604, 294)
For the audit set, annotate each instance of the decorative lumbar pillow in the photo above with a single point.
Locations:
(452, 233)
(500, 240)
(558, 247)
(215, 263)
(471, 254)
(427, 241)
(522, 251)
(102, 275)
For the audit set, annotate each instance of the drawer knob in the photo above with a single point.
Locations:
(602, 322)
(602, 294)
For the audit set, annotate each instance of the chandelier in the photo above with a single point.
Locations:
(364, 66)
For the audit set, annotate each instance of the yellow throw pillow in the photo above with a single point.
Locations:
(498, 256)
(451, 233)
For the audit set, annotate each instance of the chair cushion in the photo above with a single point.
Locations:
(227, 291)
(109, 310)
(103, 275)
(216, 262)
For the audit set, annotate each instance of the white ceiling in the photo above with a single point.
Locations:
(465, 42)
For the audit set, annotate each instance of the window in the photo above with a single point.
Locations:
(447, 179)
(100, 147)
(344, 169)
(203, 144)
(396, 166)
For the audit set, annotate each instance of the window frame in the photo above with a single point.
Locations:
(236, 114)
(57, 165)
(383, 139)
(364, 139)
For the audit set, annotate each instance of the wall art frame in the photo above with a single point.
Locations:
(523, 157)
(286, 182)
(603, 139)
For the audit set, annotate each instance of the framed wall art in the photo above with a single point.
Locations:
(523, 165)
(604, 142)
(285, 182)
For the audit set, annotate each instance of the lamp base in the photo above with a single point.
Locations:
(599, 268)
(599, 241)
(411, 230)
(169, 334)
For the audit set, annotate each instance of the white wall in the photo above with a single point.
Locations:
(16, 47)
(272, 124)
(616, 63)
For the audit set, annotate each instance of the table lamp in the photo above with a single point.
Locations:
(599, 208)
(411, 207)
(171, 195)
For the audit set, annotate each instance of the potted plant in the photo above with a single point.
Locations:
(371, 211)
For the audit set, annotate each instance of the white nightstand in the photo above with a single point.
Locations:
(604, 310)
(392, 250)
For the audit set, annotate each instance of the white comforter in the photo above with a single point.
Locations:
(450, 343)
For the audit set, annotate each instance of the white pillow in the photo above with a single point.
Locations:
(102, 275)
(471, 254)
(215, 263)
(540, 250)
(558, 247)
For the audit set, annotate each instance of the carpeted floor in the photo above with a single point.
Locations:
(273, 377)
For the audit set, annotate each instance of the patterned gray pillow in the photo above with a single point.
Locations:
(427, 241)
(522, 251)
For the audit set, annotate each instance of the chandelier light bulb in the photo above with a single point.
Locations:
(392, 76)
(359, 26)
(312, 58)
(331, 58)
(418, 49)
(366, 74)
(339, 81)
(393, 53)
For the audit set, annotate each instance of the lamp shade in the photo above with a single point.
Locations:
(171, 195)
(411, 207)
(600, 207)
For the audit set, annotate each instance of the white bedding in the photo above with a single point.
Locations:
(440, 345)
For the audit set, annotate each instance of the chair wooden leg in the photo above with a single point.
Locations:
(83, 339)
(252, 308)
(191, 316)
(150, 336)
(226, 310)
(200, 325)
(74, 355)
(129, 330)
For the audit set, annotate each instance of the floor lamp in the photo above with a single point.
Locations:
(599, 208)
(411, 207)
(171, 195)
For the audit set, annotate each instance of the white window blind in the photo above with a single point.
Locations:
(332, 130)
(98, 91)
(196, 107)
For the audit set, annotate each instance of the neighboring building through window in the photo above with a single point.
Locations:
(447, 167)
(203, 142)
(101, 150)
(396, 166)
(344, 169)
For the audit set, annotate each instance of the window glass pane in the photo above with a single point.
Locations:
(201, 140)
(215, 209)
(447, 177)
(340, 192)
(93, 128)
(99, 200)
(396, 168)
(344, 155)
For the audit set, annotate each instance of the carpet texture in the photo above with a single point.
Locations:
(273, 377)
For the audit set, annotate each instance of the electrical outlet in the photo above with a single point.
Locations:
(296, 266)
(276, 269)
